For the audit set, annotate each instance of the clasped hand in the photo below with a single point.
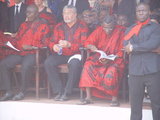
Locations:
(128, 48)
(61, 44)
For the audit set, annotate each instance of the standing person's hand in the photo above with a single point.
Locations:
(128, 48)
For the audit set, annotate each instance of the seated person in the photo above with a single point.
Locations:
(80, 5)
(92, 3)
(67, 38)
(91, 18)
(32, 33)
(122, 20)
(155, 15)
(102, 14)
(101, 77)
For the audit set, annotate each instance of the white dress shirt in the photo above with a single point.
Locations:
(19, 7)
(70, 2)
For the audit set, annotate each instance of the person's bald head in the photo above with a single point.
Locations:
(32, 12)
(142, 12)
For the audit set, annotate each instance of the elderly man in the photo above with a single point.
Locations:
(100, 77)
(33, 33)
(68, 37)
(141, 41)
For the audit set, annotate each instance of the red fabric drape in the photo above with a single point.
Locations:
(136, 29)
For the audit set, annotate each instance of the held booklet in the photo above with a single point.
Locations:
(104, 55)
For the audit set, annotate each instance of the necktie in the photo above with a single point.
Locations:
(17, 10)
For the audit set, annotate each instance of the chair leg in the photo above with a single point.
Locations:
(49, 90)
(81, 95)
(16, 80)
(37, 83)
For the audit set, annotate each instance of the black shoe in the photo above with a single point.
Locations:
(85, 102)
(115, 103)
(57, 98)
(64, 98)
(19, 96)
(7, 96)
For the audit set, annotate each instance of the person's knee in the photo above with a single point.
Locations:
(50, 62)
(75, 63)
(27, 66)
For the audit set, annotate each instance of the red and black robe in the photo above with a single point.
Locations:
(76, 35)
(103, 79)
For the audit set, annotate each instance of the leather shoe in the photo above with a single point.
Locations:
(64, 98)
(19, 96)
(57, 98)
(115, 103)
(7, 96)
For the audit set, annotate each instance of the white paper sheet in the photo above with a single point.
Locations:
(76, 56)
(11, 46)
(104, 55)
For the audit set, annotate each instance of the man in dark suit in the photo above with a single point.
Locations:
(3, 16)
(17, 15)
(141, 41)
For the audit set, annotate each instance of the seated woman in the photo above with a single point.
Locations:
(101, 77)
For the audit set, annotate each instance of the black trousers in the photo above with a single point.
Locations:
(74, 66)
(136, 90)
(6, 66)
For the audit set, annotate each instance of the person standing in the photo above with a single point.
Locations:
(141, 40)
(17, 15)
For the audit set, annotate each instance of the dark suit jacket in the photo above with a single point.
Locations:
(142, 61)
(4, 20)
(14, 23)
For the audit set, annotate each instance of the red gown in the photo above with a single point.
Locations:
(103, 79)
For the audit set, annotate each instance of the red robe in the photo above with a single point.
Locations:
(76, 35)
(35, 33)
(104, 79)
